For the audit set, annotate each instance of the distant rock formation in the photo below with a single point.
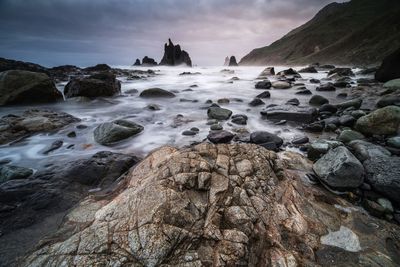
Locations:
(173, 55)
(232, 61)
(137, 62)
(226, 63)
(147, 61)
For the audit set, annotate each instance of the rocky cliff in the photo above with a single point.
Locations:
(356, 32)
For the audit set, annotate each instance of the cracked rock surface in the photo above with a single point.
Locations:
(219, 205)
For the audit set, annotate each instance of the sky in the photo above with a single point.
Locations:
(116, 32)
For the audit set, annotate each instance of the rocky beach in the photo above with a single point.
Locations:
(269, 160)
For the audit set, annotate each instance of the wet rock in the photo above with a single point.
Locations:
(216, 127)
(299, 140)
(290, 113)
(173, 55)
(318, 100)
(340, 169)
(356, 103)
(390, 100)
(281, 85)
(147, 61)
(309, 69)
(270, 71)
(11, 172)
(328, 108)
(318, 148)
(341, 72)
(326, 87)
(347, 120)
(232, 61)
(341, 95)
(390, 68)
(392, 84)
(289, 71)
(383, 174)
(98, 68)
(153, 107)
(101, 84)
(262, 137)
(219, 113)
(350, 135)
(256, 102)
(189, 133)
(71, 134)
(25, 87)
(304, 92)
(293, 102)
(384, 121)
(364, 150)
(54, 146)
(265, 84)
(156, 93)
(315, 81)
(112, 132)
(14, 127)
(220, 137)
(239, 119)
(315, 127)
(394, 142)
(265, 94)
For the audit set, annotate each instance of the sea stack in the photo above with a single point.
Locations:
(137, 62)
(147, 61)
(173, 55)
(232, 61)
(226, 63)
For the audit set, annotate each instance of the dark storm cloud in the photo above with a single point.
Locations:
(84, 32)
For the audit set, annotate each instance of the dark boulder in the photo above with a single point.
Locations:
(290, 113)
(156, 92)
(318, 100)
(390, 68)
(220, 137)
(304, 92)
(326, 87)
(265, 84)
(265, 94)
(147, 61)
(26, 87)
(309, 69)
(9, 64)
(218, 113)
(288, 72)
(262, 137)
(98, 67)
(173, 55)
(111, 132)
(232, 61)
(256, 102)
(101, 84)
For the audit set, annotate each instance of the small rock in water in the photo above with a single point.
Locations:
(219, 113)
(223, 101)
(54, 146)
(293, 102)
(239, 119)
(262, 137)
(189, 133)
(266, 84)
(318, 100)
(300, 140)
(220, 137)
(326, 87)
(304, 92)
(153, 107)
(156, 93)
(265, 94)
(112, 132)
(281, 85)
(71, 134)
(216, 127)
(256, 102)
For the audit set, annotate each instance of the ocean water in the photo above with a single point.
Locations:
(159, 128)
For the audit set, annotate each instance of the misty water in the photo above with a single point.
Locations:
(160, 127)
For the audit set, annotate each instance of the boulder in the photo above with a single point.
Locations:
(347, 120)
(328, 108)
(98, 68)
(320, 147)
(270, 71)
(281, 85)
(262, 137)
(340, 169)
(174, 56)
(265, 84)
(137, 62)
(101, 84)
(147, 61)
(364, 150)
(392, 84)
(384, 121)
(383, 174)
(304, 92)
(9, 64)
(111, 132)
(318, 100)
(390, 68)
(290, 113)
(209, 205)
(265, 94)
(288, 72)
(220, 137)
(326, 87)
(156, 93)
(26, 87)
(232, 61)
(389, 100)
(309, 69)
(349, 135)
(239, 119)
(219, 113)
(256, 102)
(14, 127)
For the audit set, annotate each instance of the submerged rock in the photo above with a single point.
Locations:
(209, 205)
(26, 87)
(101, 84)
(174, 56)
(112, 132)
(14, 127)
(156, 92)
(384, 121)
(340, 169)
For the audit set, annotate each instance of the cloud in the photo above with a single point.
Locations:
(84, 32)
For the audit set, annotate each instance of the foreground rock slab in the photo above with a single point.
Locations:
(14, 127)
(218, 205)
(290, 113)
